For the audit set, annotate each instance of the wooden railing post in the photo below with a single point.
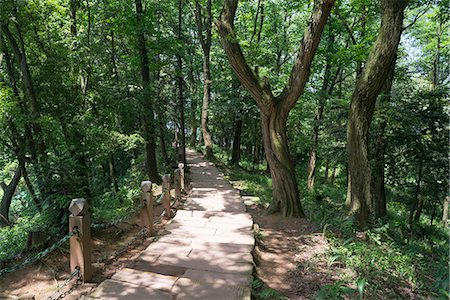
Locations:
(181, 168)
(166, 197)
(80, 243)
(177, 185)
(147, 208)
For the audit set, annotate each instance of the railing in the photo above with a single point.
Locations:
(80, 226)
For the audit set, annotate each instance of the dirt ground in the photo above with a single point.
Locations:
(113, 248)
(290, 255)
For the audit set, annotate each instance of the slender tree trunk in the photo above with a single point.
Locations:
(417, 192)
(206, 98)
(204, 34)
(236, 152)
(8, 193)
(148, 119)
(29, 185)
(367, 89)
(112, 172)
(421, 199)
(437, 56)
(180, 82)
(445, 211)
(327, 169)
(323, 96)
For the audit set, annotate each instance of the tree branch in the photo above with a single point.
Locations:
(260, 92)
(417, 17)
(300, 70)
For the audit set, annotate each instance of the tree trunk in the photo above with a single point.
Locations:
(323, 96)
(8, 193)
(193, 136)
(419, 208)
(162, 140)
(205, 41)
(285, 193)
(206, 97)
(148, 119)
(417, 192)
(236, 152)
(362, 106)
(180, 82)
(379, 157)
(112, 173)
(274, 110)
(445, 211)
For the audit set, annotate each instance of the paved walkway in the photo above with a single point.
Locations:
(206, 255)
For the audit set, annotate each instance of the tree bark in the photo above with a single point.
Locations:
(148, 119)
(323, 96)
(180, 82)
(205, 41)
(8, 193)
(445, 211)
(368, 87)
(417, 194)
(274, 110)
(236, 152)
(21, 60)
(112, 172)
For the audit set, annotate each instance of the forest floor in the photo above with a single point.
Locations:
(290, 257)
(113, 248)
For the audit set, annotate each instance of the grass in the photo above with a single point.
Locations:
(388, 258)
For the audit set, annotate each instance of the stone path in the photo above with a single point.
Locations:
(206, 253)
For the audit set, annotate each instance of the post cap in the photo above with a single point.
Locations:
(146, 186)
(79, 207)
(166, 178)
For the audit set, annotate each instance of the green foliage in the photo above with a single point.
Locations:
(14, 239)
(261, 291)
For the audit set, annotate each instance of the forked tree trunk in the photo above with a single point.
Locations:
(362, 106)
(285, 194)
(8, 193)
(274, 110)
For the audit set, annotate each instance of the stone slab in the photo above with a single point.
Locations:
(147, 279)
(114, 289)
(187, 289)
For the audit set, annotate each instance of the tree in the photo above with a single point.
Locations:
(148, 117)
(204, 28)
(368, 87)
(274, 110)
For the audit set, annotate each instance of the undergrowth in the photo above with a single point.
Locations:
(392, 261)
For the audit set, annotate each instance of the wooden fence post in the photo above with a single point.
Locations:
(166, 197)
(147, 209)
(181, 167)
(80, 243)
(177, 185)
